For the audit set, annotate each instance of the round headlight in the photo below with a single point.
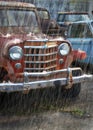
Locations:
(15, 53)
(64, 49)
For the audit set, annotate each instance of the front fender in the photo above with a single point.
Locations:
(79, 54)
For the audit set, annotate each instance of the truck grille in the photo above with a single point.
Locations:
(40, 56)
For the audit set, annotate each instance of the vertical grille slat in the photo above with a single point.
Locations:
(39, 59)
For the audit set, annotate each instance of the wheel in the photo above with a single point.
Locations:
(90, 68)
(75, 90)
(72, 92)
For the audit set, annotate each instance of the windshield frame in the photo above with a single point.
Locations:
(23, 9)
(65, 17)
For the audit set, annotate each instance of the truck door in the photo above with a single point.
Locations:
(80, 37)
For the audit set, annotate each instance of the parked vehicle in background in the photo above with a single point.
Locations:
(65, 18)
(80, 34)
(30, 59)
(48, 25)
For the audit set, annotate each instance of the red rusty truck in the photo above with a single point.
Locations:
(29, 59)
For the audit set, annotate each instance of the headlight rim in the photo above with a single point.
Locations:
(12, 50)
(60, 47)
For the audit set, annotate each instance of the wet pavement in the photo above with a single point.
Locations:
(76, 114)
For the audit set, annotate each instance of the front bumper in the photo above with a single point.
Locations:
(26, 85)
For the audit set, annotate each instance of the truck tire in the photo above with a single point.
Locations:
(72, 92)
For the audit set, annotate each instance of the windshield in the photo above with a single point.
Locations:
(43, 14)
(18, 18)
(72, 17)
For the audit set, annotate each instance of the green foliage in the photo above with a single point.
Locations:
(78, 112)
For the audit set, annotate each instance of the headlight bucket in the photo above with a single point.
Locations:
(15, 53)
(64, 49)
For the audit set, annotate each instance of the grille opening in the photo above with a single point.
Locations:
(39, 59)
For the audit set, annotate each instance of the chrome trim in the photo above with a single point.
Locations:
(38, 40)
(36, 58)
(15, 49)
(56, 82)
(59, 48)
(12, 87)
(40, 68)
(48, 54)
(40, 47)
(37, 62)
(45, 73)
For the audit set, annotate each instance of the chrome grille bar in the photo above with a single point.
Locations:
(40, 47)
(37, 62)
(40, 57)
(40, 68)
(53, 53)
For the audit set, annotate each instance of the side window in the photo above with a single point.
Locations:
(81, 30)
(43, 14)
(88, 32)
(60, 18)
(76, 31)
